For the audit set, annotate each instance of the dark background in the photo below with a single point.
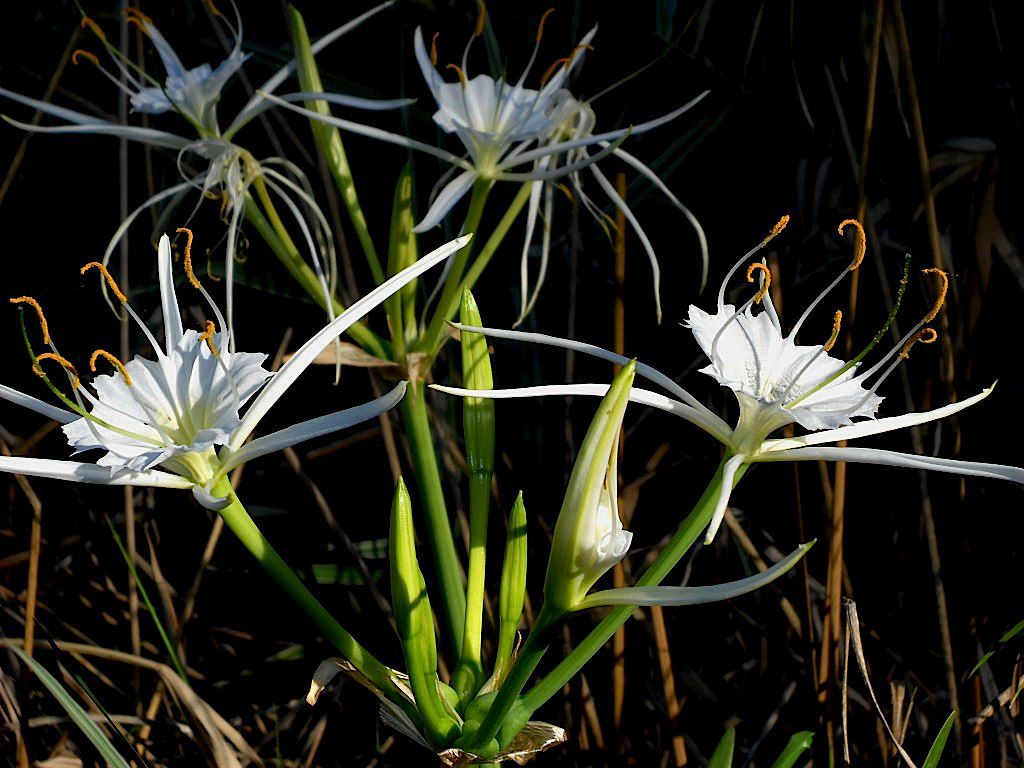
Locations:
(780, 133)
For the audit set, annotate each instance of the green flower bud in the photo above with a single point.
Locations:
(477, 412)
(416, 624)
(589, 538)
(513, 588)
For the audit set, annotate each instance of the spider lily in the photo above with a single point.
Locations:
(177, 421)
(502, 126)
(229, 170)
(777, 381)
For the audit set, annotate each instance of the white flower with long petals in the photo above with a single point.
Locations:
(177, 421)
(228, 170)
(778, 382)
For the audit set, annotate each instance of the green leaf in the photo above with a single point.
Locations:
(78, 715)
(722, 757)
(1012, 632)
(798, 744)
(940, 742)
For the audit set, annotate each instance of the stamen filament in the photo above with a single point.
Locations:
(779, 226)
(112, 360)
(39, 313)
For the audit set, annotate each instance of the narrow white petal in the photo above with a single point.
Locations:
(40, 407)
(347, 101)
(532, 211)
(323, 425)
(308, 352)
(695, 595)
(866, 428)
(168, 299)
(556, 173)
(79, 472)
(724, 493)
(149, 136)
(446, 199)
(895, 459)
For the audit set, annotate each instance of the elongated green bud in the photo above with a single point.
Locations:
(513, 588)
(478, 427)
(402, 252)
(589, 538)
(416, 624)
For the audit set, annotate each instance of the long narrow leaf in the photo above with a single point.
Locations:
(939, 744)
(722, 757)
(798, 744)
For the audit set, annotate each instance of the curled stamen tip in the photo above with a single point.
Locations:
(213, 8)
(187, 260)
(861, 246)
(207, 336)
(433, 48)
(779, 226)
(135, 16)
(540, 27)
(39, 313)
(85, 55)
(757, 266)
(460, 73)
(114, 287)
(925, 336)
(62, 361)
(837, 321)
(114, 361)
(87, 22)
(943, 289)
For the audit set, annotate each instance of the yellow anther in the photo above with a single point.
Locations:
(779, 226)
(540, 27)
(115, 289)
(188, 257)
(836, 322)
(113, 361)
(213, 8)
(87, 22)
(925, 336)
(135, 16)
(433, 48)
(552, 69)
(207, 336)
(85, 55)
(575, 52)
(460, 73)
(943, 289)
(860, 247)
(481, 18)
(63, 362)
(757, 266)
(39, 313)
(565, 191)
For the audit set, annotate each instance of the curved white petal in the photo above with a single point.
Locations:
(308, 352)
(555, 173)
(866, 428)
(78, 472)
(208, 499)
(895, 459)
(168, 300)
(42, 408)
(345, 100)
(695, 595)
(446, 199)
(322, 425)
(149, 136)
(724, 494)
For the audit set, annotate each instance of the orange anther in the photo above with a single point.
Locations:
(766, 273)
(108, 277)
(39, 313)
(481, 18)
(836, 322)
(433, 48)
(63, 362)
(779, 226)
(87, 22)
(860, 246)
(460, 73)
(943, 289)
(207, 336)
(925, 336)
(112, 360)
(85, 55)
(540, 27)
(188, 257)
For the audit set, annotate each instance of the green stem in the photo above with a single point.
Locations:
(469, 672)
(241, 524)
(439, 530)
(451, 293)
(280, 242)
(679, 545)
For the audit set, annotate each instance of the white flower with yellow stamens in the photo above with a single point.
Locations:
(177, 421)
(228, 170)
(778, 382)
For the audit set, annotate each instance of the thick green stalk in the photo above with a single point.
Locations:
(284, 248)
(687, 533)
(451, 293)
(439, 529)
(241, 524)
(328, 139)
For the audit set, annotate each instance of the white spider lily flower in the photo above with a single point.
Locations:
(575, 120)
(778, 382)
(177, 421)
(228, 171)
(502, 126)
